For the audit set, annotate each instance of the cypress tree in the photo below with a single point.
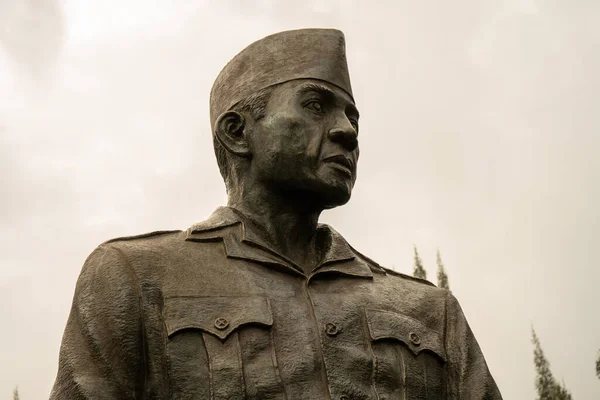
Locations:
(561, 392)
(418, 270)
(441, 274)
(544, 382)
(546, 385)
(16, 394)
(598, 365)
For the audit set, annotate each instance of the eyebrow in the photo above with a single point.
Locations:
(315, 87)
(326, 92)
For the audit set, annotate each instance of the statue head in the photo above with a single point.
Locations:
(283, 117)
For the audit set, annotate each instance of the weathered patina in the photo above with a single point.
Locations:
(260, 301)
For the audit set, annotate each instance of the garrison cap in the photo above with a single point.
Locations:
(278, 58)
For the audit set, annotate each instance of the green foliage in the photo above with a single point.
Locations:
(441, 275)
(546, 385)
(418, 270)
(561, 393)
(544, 382)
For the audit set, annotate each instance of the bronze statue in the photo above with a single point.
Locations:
(261, 301)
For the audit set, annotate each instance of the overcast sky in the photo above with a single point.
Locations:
(479, 136)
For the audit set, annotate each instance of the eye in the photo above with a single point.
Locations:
(354, 123)
(314, 105)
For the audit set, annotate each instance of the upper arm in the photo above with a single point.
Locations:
(101, 347)
(468, 374)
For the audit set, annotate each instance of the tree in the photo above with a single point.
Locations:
(546, 385)
(598, 365)
(562, 393)
(441, 275)
(544, 382)
(418, 270)
(16, 393)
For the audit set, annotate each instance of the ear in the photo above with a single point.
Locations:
(231, 133)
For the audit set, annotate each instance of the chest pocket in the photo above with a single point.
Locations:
(409, 357)
(221, 348)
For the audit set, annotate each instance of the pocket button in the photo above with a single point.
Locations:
(414, 338)
(331, 329)
(221, 323)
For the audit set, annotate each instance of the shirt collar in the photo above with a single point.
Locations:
(227, 225)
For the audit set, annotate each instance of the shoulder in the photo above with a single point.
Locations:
(402, 294)
(156, 242)
(409, 278)
(115, 263)
(406, 286)
(144, 236)
(393, 275)
(119, 256)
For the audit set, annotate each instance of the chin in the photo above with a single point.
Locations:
(337, 197)
(320, 194)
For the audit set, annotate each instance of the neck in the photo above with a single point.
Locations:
(284, 221)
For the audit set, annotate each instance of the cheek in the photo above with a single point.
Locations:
(289, 136)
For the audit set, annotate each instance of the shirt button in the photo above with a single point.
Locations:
(331, 329)
(414, 338)
(221, 323)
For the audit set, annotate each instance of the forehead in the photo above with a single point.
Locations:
(301, 86)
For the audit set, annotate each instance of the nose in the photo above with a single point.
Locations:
(345, 135)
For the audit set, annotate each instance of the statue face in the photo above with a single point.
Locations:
(306, 144)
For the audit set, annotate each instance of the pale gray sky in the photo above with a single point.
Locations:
(479, 135)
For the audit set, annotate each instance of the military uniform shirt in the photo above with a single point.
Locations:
(212, 313)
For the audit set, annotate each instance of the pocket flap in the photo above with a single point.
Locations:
(216, 315)
(415, 335)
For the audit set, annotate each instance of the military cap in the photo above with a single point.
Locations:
(278, 58)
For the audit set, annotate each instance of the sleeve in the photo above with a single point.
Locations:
(101, 355)
(468, 374)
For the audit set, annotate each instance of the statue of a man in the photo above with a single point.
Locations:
(261, 301)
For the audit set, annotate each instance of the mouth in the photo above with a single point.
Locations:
(341, 163)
